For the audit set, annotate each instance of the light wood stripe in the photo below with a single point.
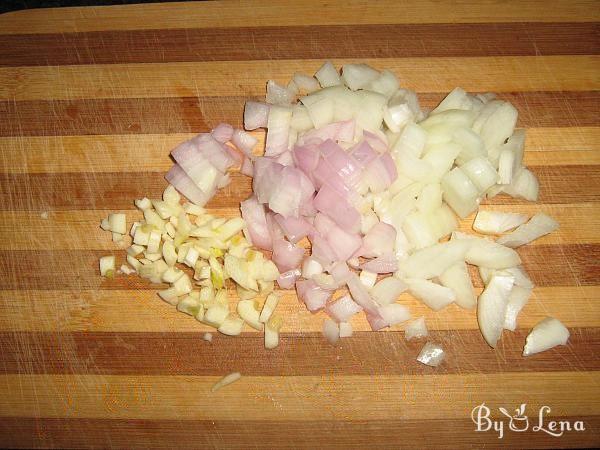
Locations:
(143, 311)
(187, 354)
(80, 230)
(140, 153)
(293, 398)
(289, 13)
(498, 74)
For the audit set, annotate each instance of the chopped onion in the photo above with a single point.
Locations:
(393, 313)
(386, 263)
(546, 334)
(256, 115)
(519, 296)
(331, 331)
(496, 222)
(431, 355)
(538, 226)
(345, 329)
(312, 295)
(388, 290)
(328, 75)
(226, 380)
(432, 294)
(415, 329)
(457, 278)
(492, 305)
(342, 309)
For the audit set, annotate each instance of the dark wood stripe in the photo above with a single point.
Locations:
(392, 433)
(548, 265)
(184, 115)
(366, 353)
(300, 42)
(108, 190)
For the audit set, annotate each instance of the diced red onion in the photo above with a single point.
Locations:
(340, 272)
(247, 167)
(285, 159)
(321, 250)
(342, 309)
(214, 151)
(294, 228)
(245, 142)
(288, 279)
(386, 263)
(186, 186)
(194, 163)
(377, 140)
(378, 240)
(286, 255)
(286, 196)
(254, 215)
(359, 293)
(306, 158)
(337, 131)
(329, 202)
(376, 322)
(363, 153)
(222, 132)
(312, 295)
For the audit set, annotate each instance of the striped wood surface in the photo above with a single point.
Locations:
(92, 100)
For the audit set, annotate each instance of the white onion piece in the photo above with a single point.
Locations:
(460, 193)
(328, 75)
(107, 266)
(394, 313)
(331, 331)
(325, 281)
(519, 296)
(278, 94)
(441, 159)
(418, 230)
(491, 307)
(496, 222)
(368, 278)
(490, 254)
(411, 141)
(386, 83)
(456, 99)
(442, 221)
(499, 126)
(305, 82)
(457, 278)
(415, 329)
(388, 290)
(342, 309)
(397, 115)
(506, 163)
(481, 173)
(430, 198)
(301, 120)
(321, 111)
(431, 355)
(524, 185)
(345, 329)
(358, 76)
(546, 334)
(471, 145)
(432, 294)
(432, 261)
(369, 113)
(278, 125)
(256, 115)
(538, 226)
(521, 277)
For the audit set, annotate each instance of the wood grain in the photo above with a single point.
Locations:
(297, 42)
(139, 311)
(192, 114)
(247, 78)
(91, 102)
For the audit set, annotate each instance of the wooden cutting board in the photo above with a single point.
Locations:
(91, 102)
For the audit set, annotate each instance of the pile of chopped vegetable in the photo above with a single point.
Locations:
(358, 190)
